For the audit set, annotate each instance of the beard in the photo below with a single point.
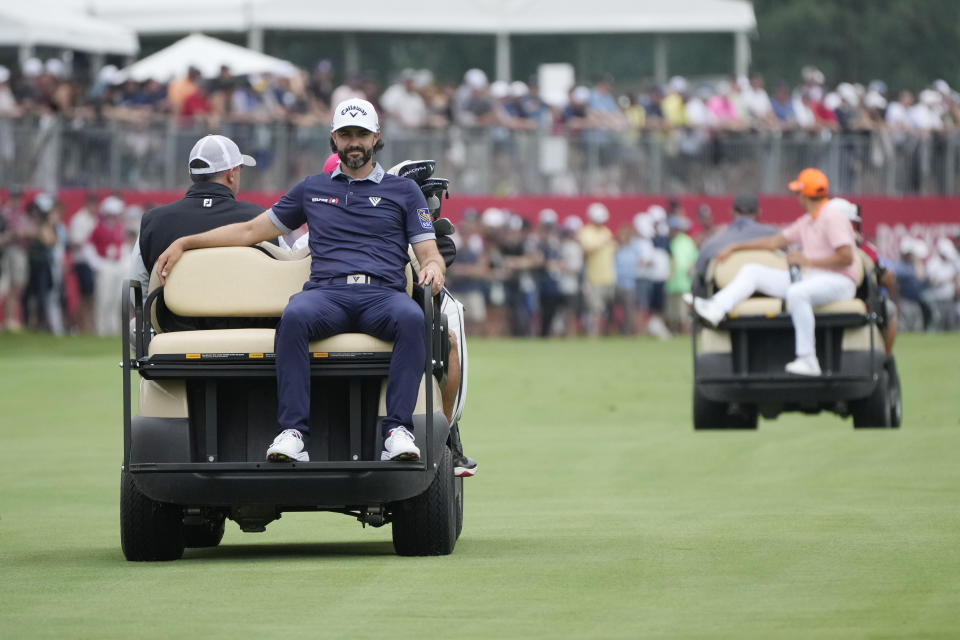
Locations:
(355, 163)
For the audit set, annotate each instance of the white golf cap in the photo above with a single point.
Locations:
(220, 153)
(356, 113)
(598, 213)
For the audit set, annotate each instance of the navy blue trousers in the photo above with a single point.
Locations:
(324, 310)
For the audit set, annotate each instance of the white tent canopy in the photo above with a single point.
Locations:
(458, 16)
(206, 54)
(29, 25)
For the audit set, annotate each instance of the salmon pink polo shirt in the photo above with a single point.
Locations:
(821, 233)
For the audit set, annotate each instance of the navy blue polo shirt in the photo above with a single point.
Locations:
(357, 226)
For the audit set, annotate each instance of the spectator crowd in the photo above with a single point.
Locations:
(689, 118)
(540, 274)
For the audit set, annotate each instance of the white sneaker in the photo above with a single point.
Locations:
(708, 311)
(399, 446)
(804, 367)
(687, 299)
(657, 328)
(288, 447)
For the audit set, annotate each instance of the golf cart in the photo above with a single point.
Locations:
(739, 365)
(193, 455)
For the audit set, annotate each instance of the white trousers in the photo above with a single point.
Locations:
(817, 287)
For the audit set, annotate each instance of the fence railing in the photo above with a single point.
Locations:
(49, 152)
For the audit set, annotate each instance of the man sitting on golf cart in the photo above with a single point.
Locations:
(825, 267)
(361, 221)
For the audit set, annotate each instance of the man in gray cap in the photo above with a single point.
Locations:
(743, 227)
(211, 201)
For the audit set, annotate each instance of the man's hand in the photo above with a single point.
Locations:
(797, 258)
(432, 274)
(167, 259)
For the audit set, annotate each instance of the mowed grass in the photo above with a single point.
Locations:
(597, 512)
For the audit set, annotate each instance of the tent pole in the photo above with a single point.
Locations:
(351, 54)
(660, 58)
(741, 54)
(255, 39)
(503, 56)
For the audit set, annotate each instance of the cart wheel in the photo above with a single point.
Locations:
(874, 410)
(426, 525)
(149, 530)
(207, 533)
(708, 414)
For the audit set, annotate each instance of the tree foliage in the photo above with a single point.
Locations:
(906, 43)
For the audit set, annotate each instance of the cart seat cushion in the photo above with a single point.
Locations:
(758, 307)
(855, 305)
(257, 341)
(725, 271)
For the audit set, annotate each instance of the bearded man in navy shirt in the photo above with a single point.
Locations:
(360, 220)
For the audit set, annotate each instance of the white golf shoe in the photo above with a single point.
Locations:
(399, 446)
(708, 311)
(807, 366)
(288, 447)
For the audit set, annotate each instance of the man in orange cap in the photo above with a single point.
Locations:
(825, 265)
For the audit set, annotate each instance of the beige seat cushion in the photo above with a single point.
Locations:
(758, 307)
(724, 272)
(258, 341)
(842, 306)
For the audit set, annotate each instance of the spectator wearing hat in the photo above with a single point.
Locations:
(826, 261)
(599, 250)
(683, 255)
(104, 253)
(744, 227)
(41, 237)
(14, 267)
(82, 223)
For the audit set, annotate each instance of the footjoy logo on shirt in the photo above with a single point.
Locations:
(327, 200)
(424, 216)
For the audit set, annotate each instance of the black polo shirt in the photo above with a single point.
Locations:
(206, 206)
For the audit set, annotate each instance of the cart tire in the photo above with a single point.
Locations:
(149, 530)
(426, 525)
(874, 411)
(708, 414)
(208, 533)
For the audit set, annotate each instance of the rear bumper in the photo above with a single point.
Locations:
(716, 380)
(294, 485)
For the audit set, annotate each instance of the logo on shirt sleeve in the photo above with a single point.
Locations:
(423, 215)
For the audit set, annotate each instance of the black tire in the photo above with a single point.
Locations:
(426, 525)
(149, 530)
(207, 533)
(896, 399)
(708, 414)
(874, 410)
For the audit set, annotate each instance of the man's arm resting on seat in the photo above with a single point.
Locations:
(432, 267)
(764, 243)
(240, 234)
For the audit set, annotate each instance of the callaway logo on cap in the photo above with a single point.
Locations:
(356, 113)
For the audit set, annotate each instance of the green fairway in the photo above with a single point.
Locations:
(597, 512)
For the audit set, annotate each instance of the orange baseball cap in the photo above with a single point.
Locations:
(811, 183)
